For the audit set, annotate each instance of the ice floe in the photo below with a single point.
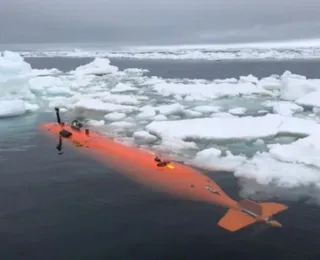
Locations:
(229, 128)
(99, 66)
(211, 159)
(309, 49)
(115, 116)
(237, 111)
(144, 137)
(284, 108)
(9, 108)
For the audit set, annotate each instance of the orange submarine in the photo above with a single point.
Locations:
(172, 177)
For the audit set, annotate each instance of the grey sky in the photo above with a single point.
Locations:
(157, 21)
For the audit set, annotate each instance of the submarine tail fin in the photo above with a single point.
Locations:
(235, 220)
(271, 208)
(251, 212)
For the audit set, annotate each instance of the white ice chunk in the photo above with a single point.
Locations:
(259, 142)
(14, 76)
(207, 109)
(294, 87)
(269, 83)
(122, 124)
(170, 109)
(249, 79)
(222, 114)
(147, 113)
(45, 72)
(208, 91)
(160, 118)
(284, 108)
(115, 116)
(233, 128)
(211, 159)
(12, 65)
(99, 66)
(121, 87)
(298, 126)
(237, 111)
(39, 84)
(191, 113)
(228, 80)
(311, 99)
(120, 99)
(144, 137)
(208, 153)
(98, 105)
(31, 107)
(9, 108)
(56, 101)
(95, 123)
(58, 91)
(266, 170)
(304, 151)
(174, 144)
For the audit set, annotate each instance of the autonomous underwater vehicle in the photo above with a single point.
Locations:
(171, 177)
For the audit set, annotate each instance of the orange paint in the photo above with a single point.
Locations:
(173, 177)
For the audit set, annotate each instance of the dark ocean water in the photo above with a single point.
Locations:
(194, 69)
(70, 207)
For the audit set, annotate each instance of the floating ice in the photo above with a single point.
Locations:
(270, 83)
(266, 170)
(160, 118)
(207, 109)
(209, 91)
(38, 84)
(120, 87)
(304, 151)
(284, 108)
(259, 142)
(172, 145)
(207, 153)
(98, 105)
(237, 111)
(147, 113)
(120, 99)
(143, 137)
(14, 76)
(263, 111)
(56, 91)
(311, 99)
(115, 116)
(12, 65)
(248, 79)
(191, 113)
(230, 80)
(234, 128)
(170, 109)
(222, 114)
(122, 124)
(9, 108)
(211, 159)
(262, 50)
(99, 66)
(294, 86)
(45, 72)
(95, 122)
(31, 107)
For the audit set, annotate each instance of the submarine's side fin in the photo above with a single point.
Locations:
(262, 209)
(235, 220)
(252, 212)
(271, 208)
